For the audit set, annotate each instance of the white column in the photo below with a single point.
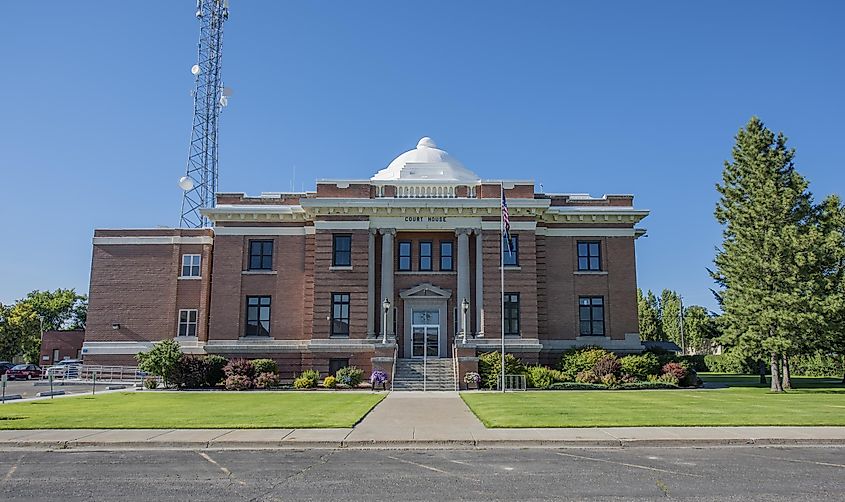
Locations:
(479, 282)
(463, 267)
(387, 275)
(372, 304)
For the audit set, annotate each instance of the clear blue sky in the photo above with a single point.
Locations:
(598, 97)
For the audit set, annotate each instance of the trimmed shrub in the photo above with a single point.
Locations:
(668, 378)
(646, 385)
(190, 372)
(586, 376)
(694, 362)
(214, 369)
(350, 376)
(576, 386)
(582, 359)
(817, 365)
(239, 367)
(677, 370)
(151, 383)
(490, 366)
(610, 380)
(264, 366)
(238, 382)
(161, 360)
(540, 377)
(266, 380)
(330, 382)
(301, 382)
(310, 376)
(640, 366)
(607, 366)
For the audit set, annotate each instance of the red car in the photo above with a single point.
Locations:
(24, 372)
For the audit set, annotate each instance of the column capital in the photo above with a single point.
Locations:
(373, 231)
(386, 231)
(463, 231)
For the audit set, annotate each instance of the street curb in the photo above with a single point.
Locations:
(413, 444)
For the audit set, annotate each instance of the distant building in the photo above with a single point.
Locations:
(302, 277)
(57, 345)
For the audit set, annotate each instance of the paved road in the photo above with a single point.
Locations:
(727, 473)
(28, 388)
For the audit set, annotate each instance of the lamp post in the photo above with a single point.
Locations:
(464, 309)
(386, 308)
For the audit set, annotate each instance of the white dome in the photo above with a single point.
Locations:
(426, 162)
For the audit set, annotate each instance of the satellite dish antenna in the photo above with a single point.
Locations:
(195, 69)
(227, 91)
(224, 101)
(186, 183)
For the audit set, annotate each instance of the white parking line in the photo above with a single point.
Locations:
(636, 466)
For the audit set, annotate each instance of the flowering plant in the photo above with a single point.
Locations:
(378, 377)
(472, 377)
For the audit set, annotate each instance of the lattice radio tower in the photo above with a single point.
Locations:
(200, 180)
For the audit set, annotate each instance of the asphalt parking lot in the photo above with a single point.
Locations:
(28, 388)
(717, 473)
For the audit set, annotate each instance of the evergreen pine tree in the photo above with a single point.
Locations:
(648, 316)
(765, 209)
(670, 316)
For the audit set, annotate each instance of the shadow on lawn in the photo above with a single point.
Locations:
(722, 380)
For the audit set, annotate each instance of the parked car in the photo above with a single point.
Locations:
(67, 368)
(66, 362)
(24, 372)
(5, 366)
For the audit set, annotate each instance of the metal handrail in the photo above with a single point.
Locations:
(455, 365)
(78, 372)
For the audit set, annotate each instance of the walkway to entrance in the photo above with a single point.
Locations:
(408, 416)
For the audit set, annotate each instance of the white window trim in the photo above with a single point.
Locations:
(190, 265)
(188, 323)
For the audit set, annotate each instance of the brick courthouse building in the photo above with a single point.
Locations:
(303, 278)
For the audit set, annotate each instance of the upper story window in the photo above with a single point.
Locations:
(340, 314)
(511, 253)
(405, 255)
(446, 255)
(591, 315)
(191, 265)
(187, 322)
(589, 255)
(257, 316)
(511, 314)
(261, 255)
(425, 255)
(341, 250)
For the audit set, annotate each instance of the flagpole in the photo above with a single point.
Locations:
(502, 271)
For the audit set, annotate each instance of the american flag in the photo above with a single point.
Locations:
(506, 224)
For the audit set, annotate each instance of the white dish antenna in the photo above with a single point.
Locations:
(195, 69)
(186, 183)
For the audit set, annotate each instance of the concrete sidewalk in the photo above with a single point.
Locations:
(418, 420)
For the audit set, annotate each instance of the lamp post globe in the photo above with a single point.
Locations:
(386, 306)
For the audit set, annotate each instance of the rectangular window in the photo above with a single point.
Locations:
(257, 316)
(261, 255)
(511, 255)
(337, 364)
(405, 255)
(591, 315)
(425, 255)
(512, 314)
(340, 314)
(188, 322)
(341, 250)
(589, 255)
(55, 355)
(446, 255)
(190, 265)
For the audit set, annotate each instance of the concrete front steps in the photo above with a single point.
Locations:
(439, 374)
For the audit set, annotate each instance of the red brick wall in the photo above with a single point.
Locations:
(522, 281)
(69, 344)
(328, 281)
(354, 190)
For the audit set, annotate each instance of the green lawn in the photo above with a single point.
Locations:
(816, 401)
(192, 410)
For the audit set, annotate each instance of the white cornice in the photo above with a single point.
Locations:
(264, 230)
(142, 239)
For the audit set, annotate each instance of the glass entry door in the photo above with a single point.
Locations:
(425, 334)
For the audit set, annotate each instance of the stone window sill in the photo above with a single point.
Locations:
(259, 272)
(189, 277)
(344, 268)
(591, 272)
(511, 267)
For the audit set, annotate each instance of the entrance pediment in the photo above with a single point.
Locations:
(425, 290)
